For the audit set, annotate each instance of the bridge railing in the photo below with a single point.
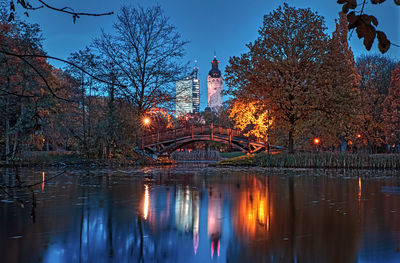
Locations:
(172, 134)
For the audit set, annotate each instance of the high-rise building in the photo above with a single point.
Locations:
(214, 86)
(196, 90)
(184, 101)
(188, 94)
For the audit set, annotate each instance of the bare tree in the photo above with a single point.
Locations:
(146, 50)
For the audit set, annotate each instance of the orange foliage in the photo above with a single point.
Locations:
(391, 111)
(251, 117)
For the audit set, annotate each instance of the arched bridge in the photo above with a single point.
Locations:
(170, 140)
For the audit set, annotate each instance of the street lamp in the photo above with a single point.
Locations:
(146, 121)
(146, 124)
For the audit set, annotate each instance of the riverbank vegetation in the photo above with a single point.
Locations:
(73, 159)
(318, 160)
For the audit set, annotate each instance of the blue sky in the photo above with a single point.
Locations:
(210, 25)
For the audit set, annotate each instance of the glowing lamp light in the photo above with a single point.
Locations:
(316, 141)
(146, 121)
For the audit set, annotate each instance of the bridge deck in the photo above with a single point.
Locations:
(190, 131)
(169, 140)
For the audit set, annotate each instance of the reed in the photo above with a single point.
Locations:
(319, 160)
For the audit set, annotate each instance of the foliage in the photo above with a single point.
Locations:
(273, 73)
(375, 71)
(25, 92)
(251, 117)
(391, 110)
(338, 98)
(365, 24)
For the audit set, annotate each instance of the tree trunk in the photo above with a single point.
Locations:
(291, 143)
(85, 145)
(15, 145)
(7, 138)
(343, 145)
(90, 116)
(110, 121)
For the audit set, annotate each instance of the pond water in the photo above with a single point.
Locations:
(200, 214)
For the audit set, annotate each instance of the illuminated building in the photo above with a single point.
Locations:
(184, 103)
(214, 87)
(196, 90)
(188, 94)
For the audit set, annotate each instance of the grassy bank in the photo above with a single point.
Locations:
(61, 159)
(231, 154)
(318, 160)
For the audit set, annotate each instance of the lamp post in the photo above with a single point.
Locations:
(146, 123)
(317, 141)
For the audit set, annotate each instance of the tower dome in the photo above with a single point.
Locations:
(214, 72)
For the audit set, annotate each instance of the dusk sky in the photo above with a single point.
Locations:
(220, 25)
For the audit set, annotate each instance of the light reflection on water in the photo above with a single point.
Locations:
(202, 215)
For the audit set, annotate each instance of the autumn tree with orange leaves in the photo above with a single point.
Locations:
(338, 98)
(282, 67)
(25, 96)
(391, 110)
(301, 76)
(375, 72)
(252, 118)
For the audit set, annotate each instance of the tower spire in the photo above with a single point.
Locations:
(195, 70)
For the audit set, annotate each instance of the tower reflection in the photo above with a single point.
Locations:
(214, 218)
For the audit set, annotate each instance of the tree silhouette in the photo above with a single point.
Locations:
(146, 51)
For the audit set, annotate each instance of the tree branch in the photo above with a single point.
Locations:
(62, 60)
(68, 10)
(72, 12)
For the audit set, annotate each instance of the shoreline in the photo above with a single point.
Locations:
(320, 160)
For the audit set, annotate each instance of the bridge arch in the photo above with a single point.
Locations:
(173, 147)
(170, 140)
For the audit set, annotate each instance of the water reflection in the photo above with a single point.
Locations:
(175, 216)
(43, 179)
(146, 202)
